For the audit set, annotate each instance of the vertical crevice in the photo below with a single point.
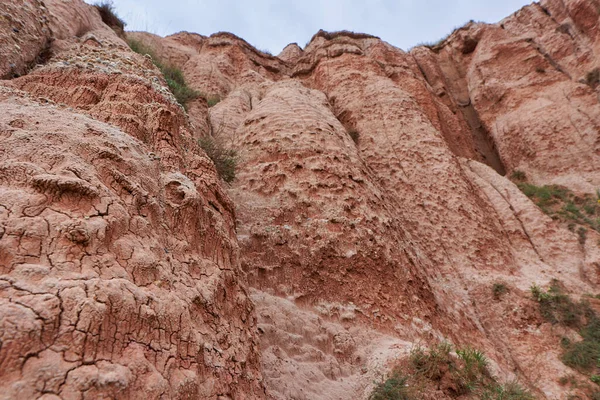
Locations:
(482, 139)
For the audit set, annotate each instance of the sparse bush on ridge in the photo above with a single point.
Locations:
(107, 12)
(225, 160)
(173, 75)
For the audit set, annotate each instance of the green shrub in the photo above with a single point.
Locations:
(109, 17)
(474, 372)
(562, 204)
(213, 100)
(469, 372)
(182, 92)
(595, 379)
(173, 75)
(430, 364)
(567, 379)
(140, 48)
(558, 308)
(582, 355)
(498, 289)
(510, 391)
(543, 196)
(518, 176)
(394, 388)
(225, 160)
(585, 355)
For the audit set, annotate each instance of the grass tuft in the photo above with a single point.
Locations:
(499, 289)
(510, 391)
(558, 308)
(393, 388)
(467, 373)
(518, 176)
(173, 75)
(213, 100)
(431, 363)
(578, 212)
(544, 196)
(225, 160)
(107, 12)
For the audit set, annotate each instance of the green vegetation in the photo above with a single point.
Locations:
(585, 355)
(558, 308)
(510, 391)
(225, 160)
(213, 100)
(394, 388)
(173, 75)
(109, 17)
(577, 212)
(498, 289)
(474, 373)
(464, 372)
(431, 363)
(518, 176)
(544, 196)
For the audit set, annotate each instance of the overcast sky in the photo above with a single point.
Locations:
(272, 24)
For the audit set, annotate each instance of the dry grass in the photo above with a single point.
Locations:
(225, 159)
(109, 16)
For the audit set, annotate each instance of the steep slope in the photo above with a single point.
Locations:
(373, 210)
(526, 80)
(407, 230)
(119, 268)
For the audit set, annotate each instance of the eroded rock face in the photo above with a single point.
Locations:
(526, 80)
(118, 276)
(407, 228)
(25, 36)
(371, 209)
(119, 267)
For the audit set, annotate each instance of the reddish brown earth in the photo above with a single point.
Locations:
(129, 270)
